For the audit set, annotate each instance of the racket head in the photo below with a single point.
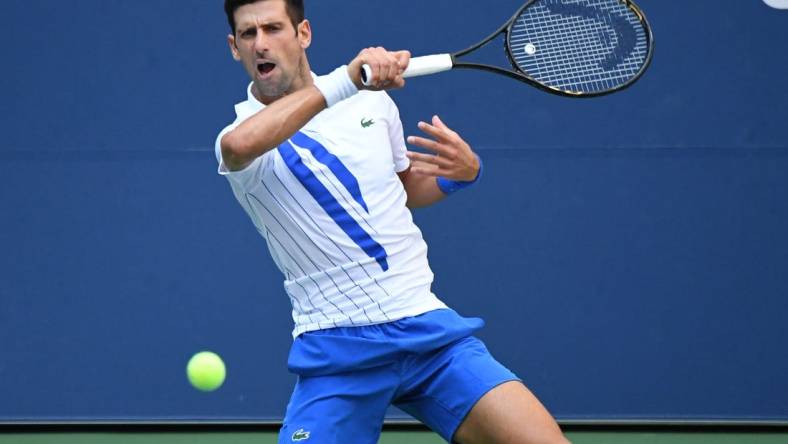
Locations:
(580, 48)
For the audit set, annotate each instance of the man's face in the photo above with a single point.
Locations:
(270, 49)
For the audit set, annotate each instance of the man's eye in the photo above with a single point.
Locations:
(248, 33)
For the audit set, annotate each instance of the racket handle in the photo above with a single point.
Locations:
(419, 66)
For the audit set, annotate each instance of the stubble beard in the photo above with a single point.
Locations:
(280, 87)
(273, 89)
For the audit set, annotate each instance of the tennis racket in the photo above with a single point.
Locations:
(575, 48)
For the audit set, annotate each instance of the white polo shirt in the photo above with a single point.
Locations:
(332, 210)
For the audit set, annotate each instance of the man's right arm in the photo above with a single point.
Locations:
(281, 119)
(270, 127)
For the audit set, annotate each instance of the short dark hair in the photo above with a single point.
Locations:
(295, 9)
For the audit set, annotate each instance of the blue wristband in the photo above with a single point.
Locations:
(449, 186)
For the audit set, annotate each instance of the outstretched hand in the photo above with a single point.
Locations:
(453, 158)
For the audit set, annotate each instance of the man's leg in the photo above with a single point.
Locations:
(509, 414)
(339, 409)
(464, 394)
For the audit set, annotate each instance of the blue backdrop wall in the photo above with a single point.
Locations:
(629, 253)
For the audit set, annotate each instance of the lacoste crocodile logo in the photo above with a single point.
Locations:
(367, 124)
(300, 435)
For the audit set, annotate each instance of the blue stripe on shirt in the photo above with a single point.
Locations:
(331, 206)
(333, 163)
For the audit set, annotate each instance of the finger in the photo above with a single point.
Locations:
(399, 82)
(373, 63)
(384, 66)
(428, 144)
(430, 158)
(423, 172)
(434, 131)
(403, 59)
(438, 122)
(428, 170)
(424, 169)
(395, 69)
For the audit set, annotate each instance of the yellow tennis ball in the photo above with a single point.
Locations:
(206, 371)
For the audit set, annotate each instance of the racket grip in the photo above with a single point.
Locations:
(418, 66)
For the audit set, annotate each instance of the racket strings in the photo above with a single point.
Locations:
(557, 51)
(558, 72)
(579, 45)
(581, 48)
(573, 61)
(593, 44)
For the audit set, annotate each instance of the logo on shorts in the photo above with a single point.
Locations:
(367, 123)
(300, 435)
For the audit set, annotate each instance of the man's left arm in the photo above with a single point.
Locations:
(452, 162)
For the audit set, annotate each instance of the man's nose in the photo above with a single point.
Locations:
(261, 43)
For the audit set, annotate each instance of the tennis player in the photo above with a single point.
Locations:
(320, 166)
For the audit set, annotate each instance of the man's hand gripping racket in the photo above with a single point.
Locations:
(575, 48)
(386, 69)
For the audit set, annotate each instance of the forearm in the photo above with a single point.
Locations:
(270, 127)
(422, 190)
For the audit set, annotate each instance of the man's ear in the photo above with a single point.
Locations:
(305, 34)
(233, 47)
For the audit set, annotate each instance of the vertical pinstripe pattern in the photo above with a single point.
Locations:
(322, 251)
(299, 247)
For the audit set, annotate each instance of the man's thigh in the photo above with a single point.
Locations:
(343, 408)
(441, 388)
(509, 414)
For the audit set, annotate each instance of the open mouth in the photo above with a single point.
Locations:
(265, 68)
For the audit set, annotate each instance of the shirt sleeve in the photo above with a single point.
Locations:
(397, 137)
(242, 178)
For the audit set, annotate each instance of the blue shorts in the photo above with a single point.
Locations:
(430, 366)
